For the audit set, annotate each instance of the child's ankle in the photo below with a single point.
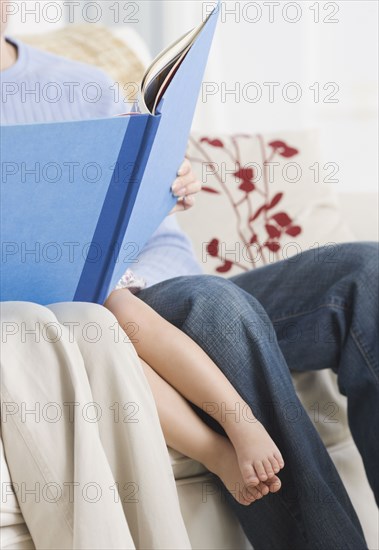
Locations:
(213, 454)
(236, 422)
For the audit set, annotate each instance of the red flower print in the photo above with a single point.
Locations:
(225, 268)
(247, 186)
(273, 232)
(273, 246)
(277, 144)
(285, 223)
(246, 175)
(283, 150)
(212, 248)
(258, 213)
(293, 230)
(282, 219)
(210, 190)
(213, 142)
(258, 225)
(277, 198)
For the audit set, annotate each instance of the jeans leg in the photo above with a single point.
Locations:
(324, 307)
(313, 509)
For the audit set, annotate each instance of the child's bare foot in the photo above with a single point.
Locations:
(223, 462)
(259, 458)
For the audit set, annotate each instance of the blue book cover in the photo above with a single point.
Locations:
(80, 199)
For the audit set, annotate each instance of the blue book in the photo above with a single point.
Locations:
(80, 199)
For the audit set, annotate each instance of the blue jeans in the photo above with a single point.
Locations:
(243, 324)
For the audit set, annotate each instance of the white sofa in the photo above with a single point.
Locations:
(209, 522)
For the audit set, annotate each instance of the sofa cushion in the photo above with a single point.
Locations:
(264, 198)
(184, 467)
(14, 532)
(97, 45)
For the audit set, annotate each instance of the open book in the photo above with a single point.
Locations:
(161, 71)
(71, 237)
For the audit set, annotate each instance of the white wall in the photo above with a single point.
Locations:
(256, 45)
(34, 16)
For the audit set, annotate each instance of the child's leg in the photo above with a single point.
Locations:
(185, 432)
(182, 363)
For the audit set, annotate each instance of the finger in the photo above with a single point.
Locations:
(185, 168)
(190, 189)
(193, 188)
(187, 202)
(184, 204)
(183, 181)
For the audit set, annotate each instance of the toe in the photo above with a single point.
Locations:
(249, 475)
(252, 493)
(245, 499)
(268, 468)
(239, 493)
(274, 484)
(259, 495)
(279, 458)
(274, 464)
(259, 468)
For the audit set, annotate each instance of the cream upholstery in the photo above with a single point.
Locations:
(94, 45)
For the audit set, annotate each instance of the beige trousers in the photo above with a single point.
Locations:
(81, 433)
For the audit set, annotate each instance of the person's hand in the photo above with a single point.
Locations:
(185, 187)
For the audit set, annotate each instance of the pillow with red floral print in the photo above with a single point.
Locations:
(264, 198)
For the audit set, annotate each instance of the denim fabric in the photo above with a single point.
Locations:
(316, 310)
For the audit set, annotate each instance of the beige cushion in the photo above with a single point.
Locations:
(95, 45)
(184, 467)
(262, 200)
